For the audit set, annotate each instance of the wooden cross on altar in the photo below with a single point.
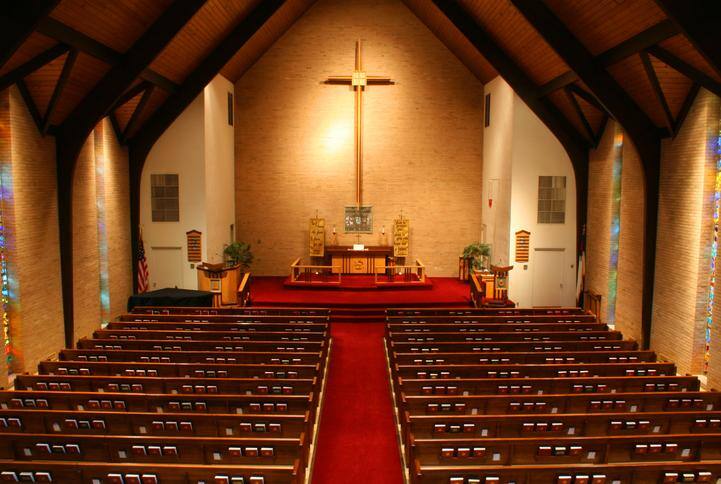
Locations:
(359, 80)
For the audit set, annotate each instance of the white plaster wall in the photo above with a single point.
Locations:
(517, 149)
(219, 168)
(536, 152)
(497, 169)
(181, 150)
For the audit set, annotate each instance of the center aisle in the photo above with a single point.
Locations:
(357, 439)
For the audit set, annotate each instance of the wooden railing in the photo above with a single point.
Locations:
(309, 274)
(477, 291)
(244, 290)
(592, 303)
(395, 274)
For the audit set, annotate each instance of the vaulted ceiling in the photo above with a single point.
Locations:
(60, 51)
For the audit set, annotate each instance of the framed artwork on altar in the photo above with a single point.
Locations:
(358, 220)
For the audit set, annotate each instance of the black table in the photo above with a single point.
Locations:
(171, 297)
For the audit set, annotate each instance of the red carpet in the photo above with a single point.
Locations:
(357, 439)
(446, 291)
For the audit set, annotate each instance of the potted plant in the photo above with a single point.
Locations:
(476, 252)
(238, 253)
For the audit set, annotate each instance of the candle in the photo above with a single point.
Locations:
(334, 230)
(383, 230)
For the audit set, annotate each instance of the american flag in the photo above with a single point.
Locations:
(142, 267)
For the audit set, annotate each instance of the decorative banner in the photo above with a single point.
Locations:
(317, 237)
(523, 243)
(401, 236)
(195, 253)
(358, 219)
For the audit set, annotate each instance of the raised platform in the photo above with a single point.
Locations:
(441, 292)
(357, 282)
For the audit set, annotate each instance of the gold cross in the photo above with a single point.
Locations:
(359, 80)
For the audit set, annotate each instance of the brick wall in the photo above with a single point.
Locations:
(37, 315)
(683, 239)
(294, 137)
(86, 280)
(630, 245)
(598, 225)
(117, 213)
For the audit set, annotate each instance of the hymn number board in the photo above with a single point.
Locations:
(358, 220)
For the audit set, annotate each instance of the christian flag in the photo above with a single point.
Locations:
(142, 266)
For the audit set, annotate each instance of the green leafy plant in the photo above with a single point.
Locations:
(239, 253)
(476, 252)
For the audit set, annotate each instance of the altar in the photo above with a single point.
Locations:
(369, 260)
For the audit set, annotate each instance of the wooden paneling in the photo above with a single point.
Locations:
(517, 38)
(200, 36)
(264, 38)
(124, 112)
(602, 24)
(631, 76)
(682, 48)
(34, 45)
(456, 42)
(115, 23)
(86, 73)
(41, 83)
(675, 86)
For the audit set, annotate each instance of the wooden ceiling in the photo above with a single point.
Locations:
(69, 51)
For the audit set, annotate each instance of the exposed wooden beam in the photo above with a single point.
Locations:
(87, 45)
(699, 20)
(686, 69)
(601, 129)
(59, 86)
(32, 65)
(18, 21)
(130, 94)
(686, 107)
(133, 121)
(74, 130)
(657, 90)
(116, 126)
(643, 40)
(587, 96)
(644, 135)
(573, 142)
(579, 112)
(30, 103)
(144, 139)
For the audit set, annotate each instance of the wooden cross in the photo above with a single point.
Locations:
(359, 80)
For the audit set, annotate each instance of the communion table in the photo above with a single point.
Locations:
(371, 260)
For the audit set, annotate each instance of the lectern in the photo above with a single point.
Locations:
(221, 280)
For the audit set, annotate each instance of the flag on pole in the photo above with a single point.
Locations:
(142, 266)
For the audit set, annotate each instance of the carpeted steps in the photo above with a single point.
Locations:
(358, 315)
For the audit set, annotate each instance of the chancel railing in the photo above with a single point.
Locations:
(244, 290)
(311, 274)
(592, 303)
(477, 290)
(402, 274)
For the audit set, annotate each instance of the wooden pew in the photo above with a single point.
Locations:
(482, 311)
(628, 472)
(210, 335)
(503, 371)
(237, 319)
(198, 370)
(250, 310)
(186, 326)
(203, 345)
(507, 336)
(155, 473)
(150, 402)
(492, 319)
(491, 346)
(522, 357)
(559, 404)
(168, 385)
(306, 357)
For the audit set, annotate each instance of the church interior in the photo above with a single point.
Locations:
(360, 241)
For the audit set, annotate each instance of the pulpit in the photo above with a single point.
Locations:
(221, 280)
(498, 293)
(349, 260)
